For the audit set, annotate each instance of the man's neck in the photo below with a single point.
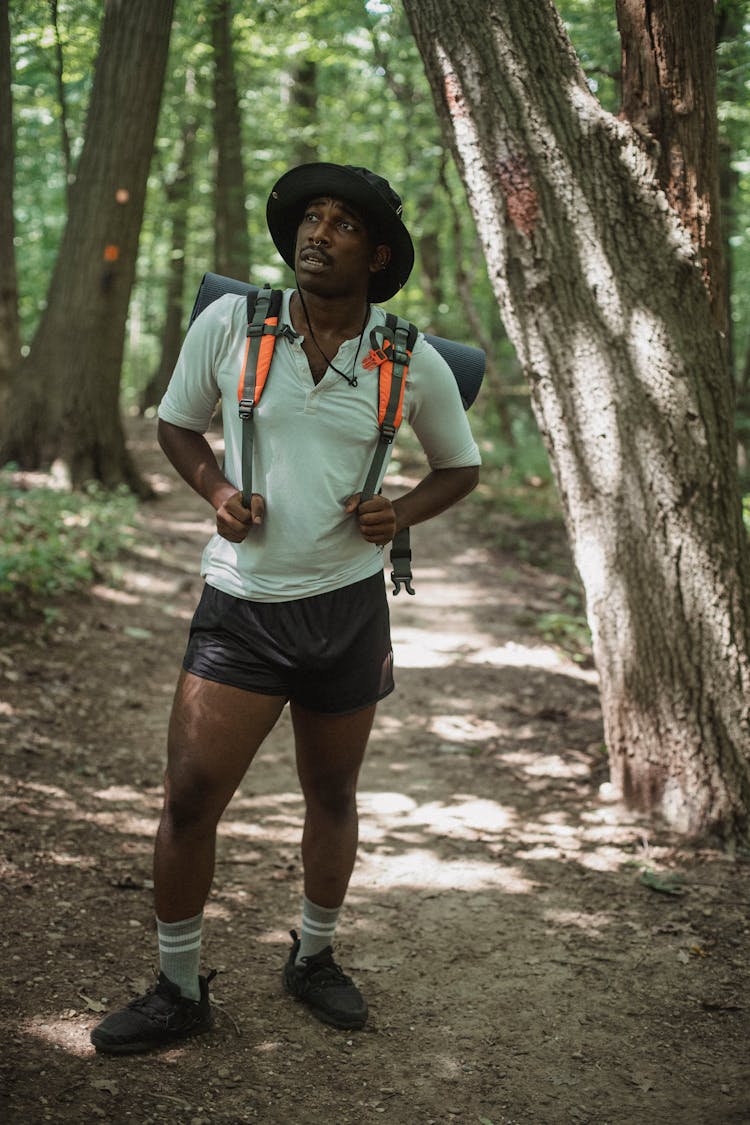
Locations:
(328, 316)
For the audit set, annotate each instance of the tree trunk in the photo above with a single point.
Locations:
(304, 116)
(65, 400)
(601, 290)
(177, 192)
(231, 239)
(669, 94)
(62, 100)
(10, 341)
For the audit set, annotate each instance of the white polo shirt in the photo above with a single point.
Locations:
(313, 448)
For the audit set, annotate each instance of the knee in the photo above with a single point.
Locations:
(334, 801)
(188, 806)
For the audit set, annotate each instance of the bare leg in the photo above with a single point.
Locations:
(214, 734)
(330, 749)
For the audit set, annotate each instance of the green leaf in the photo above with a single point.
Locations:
(664, 884)
(138, 633)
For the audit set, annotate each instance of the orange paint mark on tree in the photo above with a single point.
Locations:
(111, 253)
(521, 199)
(454, 95)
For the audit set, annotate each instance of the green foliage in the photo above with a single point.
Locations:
(569, 631)
(54, 542)
(371, 105)
(516, 479)
(40, 181)
(592, 27)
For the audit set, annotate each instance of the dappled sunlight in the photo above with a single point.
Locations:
(148, 581)
(385, 804)
(127, 823)
(589, 923)
(424, 870)
(273, 829)
(455, 728)
(461, 819)
(112, 594)
(66, 859)
(118, 793)
(63, 1032)
(546, 765)
(423, 648)
(416, 648)
(515, 655)
(654, 360)
(188, 528)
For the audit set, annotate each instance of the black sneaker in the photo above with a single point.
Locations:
(318, 982)
(160, 1017)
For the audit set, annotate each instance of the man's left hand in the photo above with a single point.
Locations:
(377, 519)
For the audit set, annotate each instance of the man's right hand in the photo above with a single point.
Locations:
(234, 520)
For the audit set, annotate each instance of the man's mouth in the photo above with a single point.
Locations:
(315, 259)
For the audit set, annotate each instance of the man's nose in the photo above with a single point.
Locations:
(319, 232)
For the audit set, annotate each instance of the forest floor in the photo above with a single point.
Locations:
(518, 969)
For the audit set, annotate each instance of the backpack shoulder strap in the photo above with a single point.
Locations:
(392, 345)
(263, 311)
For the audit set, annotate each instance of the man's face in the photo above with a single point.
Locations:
(334, 254)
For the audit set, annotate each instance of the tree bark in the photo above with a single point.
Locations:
(65, 398)
(669, 93)
(231, 239)
(10, 338)
(601, 291)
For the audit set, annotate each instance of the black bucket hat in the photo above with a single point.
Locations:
(372, 196)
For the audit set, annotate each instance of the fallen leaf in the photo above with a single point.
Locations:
(107, 1084)
(137, 633)
(92, 1005)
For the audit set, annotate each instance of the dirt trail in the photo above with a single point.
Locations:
(517, 970)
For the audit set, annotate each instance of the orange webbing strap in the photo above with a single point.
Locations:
(263, 308)
(392, 357)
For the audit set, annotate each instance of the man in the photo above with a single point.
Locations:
(294, 606)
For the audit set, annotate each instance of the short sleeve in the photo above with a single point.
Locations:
(436, 414)
(193, 390)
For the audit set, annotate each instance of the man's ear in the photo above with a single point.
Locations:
(380, 258)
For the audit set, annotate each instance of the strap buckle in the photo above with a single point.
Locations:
(399, 582)
(401, 562)
(246, 408)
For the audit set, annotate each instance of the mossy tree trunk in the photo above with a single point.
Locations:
(601, 288)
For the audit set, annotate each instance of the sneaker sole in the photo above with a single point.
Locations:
(142, 1046)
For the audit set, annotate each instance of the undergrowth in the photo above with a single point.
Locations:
(54, 542)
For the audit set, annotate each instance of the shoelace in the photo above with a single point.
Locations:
(326, 974)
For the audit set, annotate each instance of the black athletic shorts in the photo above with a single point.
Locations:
(330, 653)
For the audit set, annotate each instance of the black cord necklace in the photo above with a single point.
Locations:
(351, 378)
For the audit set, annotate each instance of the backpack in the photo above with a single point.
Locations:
(391, 346)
